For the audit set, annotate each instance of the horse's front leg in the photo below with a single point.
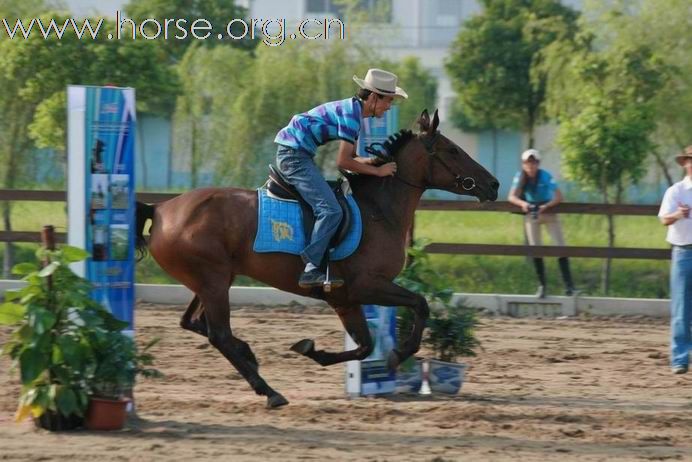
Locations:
(380, 291)
(357, 327)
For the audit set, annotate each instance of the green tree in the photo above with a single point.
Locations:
(491, 63)
(12, 9)
(663, 26)
(33, 77)
(211, 80)
(218, 12)
(421, 87)
(604, 98)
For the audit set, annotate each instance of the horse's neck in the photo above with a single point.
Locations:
(395, 201)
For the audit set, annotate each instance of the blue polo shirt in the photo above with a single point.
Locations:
(327, 122)
(540, 191)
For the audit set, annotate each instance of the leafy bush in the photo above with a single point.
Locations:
(451, 327)
(67, 346)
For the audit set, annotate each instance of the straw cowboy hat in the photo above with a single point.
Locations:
(381, 82)
(684, 156)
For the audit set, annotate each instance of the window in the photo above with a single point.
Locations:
(323, 6)
(448, 13)
(380, 9)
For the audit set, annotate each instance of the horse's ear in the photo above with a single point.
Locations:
(435, 123)
(424, 121)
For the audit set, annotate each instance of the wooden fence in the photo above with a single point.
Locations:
(437, 247)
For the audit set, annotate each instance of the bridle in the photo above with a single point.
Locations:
(465, 183)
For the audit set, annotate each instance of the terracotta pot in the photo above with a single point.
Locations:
(56, 422)
(106, 414)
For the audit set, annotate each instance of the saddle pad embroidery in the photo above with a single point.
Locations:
(280, 227)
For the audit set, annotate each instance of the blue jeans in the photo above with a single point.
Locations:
(300, 170)
(680, 306)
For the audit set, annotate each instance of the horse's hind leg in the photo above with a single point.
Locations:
(354, 322)
(217, 311)
(194, 320)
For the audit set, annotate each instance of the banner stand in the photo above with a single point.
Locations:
(101, 193)
(371, 376)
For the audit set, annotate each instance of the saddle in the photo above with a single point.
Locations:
(278, 186)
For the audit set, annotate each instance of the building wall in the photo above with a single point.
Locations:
(81, 8)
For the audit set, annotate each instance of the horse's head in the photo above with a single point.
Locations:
(435, 162)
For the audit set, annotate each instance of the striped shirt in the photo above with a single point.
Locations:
(330, 121)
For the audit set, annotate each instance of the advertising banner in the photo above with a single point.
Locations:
(101, 196)
(371, 376)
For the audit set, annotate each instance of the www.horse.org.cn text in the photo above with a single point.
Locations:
(272, 32)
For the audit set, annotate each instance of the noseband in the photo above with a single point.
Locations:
(465, 183)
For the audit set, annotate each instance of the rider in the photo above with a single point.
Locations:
(298, 142)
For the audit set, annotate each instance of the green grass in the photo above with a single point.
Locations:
(507, 228)
(506, 274)
(484, 274)
(32, 216)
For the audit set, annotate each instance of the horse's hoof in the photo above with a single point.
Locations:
(393, 361)
(275, 401)
(304, 347)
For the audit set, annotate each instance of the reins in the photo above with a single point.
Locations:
(466, 183)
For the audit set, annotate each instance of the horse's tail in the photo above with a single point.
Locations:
(144, 212)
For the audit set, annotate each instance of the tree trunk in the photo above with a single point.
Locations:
(193, 153)
(532, 139)
(531, 123)
(494, 151)
(8, 257)
(605, 274)
(142, 154)
(664, 168)
(16, 147)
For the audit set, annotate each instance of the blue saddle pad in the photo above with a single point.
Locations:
(280, 227)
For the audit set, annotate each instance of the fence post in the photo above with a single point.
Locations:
(48, 242)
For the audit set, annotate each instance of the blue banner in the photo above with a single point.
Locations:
(377, 130)
(109, 145)
(372, 376)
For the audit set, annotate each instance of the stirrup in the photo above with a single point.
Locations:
(330, 284)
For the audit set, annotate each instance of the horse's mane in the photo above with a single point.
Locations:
(397, 140)
(392, 146)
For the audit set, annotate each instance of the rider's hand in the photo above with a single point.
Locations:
(525, 207)
(386, 169)
(683, 211)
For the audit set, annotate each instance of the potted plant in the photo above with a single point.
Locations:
(450, 329)
(450, 335)
(117, 364)
(59, 339)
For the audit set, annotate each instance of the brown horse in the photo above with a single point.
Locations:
(204, 238)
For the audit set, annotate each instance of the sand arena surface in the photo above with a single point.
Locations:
(541, 390)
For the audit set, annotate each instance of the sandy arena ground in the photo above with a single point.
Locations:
(541, 390)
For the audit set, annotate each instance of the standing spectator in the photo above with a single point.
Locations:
(534, 190)
(675, 214)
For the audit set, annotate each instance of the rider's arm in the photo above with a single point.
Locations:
(347, 160)
(364, 160)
